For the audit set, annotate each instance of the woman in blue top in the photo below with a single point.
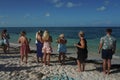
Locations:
(61, 48)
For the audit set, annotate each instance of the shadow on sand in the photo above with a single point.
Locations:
(11, 69)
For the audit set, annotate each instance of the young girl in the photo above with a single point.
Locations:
(61, 48)
(47, 49)
(24, 48)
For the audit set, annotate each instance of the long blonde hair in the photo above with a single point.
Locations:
(46, 35)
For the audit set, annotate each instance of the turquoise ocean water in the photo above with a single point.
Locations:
(92, 35)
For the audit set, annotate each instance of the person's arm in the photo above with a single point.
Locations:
(100, 47)
(114, 47)
(19, 41)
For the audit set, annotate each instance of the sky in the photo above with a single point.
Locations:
(57, 13)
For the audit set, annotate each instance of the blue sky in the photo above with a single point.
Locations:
(22, 13)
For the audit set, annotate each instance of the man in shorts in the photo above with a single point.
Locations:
(107, 46)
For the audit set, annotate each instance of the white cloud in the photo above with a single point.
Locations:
(70, 4)
(102, 8)
(55, 1)
(47, 14)
(60, 3)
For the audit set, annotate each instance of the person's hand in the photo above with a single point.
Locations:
(99, 52)
(75, 45)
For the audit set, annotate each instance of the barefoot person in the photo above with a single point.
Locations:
(24, 48)
(108, 46)
(39, 45)
(47, 49)
(82, 52)
(61, 48)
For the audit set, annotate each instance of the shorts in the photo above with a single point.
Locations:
(107, 54)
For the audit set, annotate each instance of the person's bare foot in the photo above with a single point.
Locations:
(107, 72)
(78, 70)
(104, 72)
(25, 62)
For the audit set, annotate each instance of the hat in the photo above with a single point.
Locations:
(61, 35)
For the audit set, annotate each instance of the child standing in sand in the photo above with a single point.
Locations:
(61, 48)
(47, 49)
(24, 48)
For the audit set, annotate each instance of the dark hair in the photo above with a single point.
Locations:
(109, 30)
(5, 30)
(23, 33)
(40, 32)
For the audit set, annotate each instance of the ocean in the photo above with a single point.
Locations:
(92, 34)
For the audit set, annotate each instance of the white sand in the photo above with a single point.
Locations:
(11, 69)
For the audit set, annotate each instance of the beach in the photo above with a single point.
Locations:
(12, 69)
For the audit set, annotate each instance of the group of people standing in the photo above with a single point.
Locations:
(106, 48)
(44, 48)
(43, 42)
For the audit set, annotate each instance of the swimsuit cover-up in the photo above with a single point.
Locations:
(46, 47)
(82, 54)
(24, 49)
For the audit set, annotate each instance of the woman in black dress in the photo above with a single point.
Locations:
(82, 52)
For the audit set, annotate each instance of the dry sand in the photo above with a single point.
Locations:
(11, 69)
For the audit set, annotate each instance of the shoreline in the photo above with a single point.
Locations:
(11, 69)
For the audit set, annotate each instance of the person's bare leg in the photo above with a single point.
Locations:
(48, 55)
(42, 60)
(22, 58)
(26, 57)
(45, 55)
(8, 46)
(109, 66)
(104, 65)
(79, 66)
(37, 59)
(83, 66)
(63, 61)
(59, 58)
(5, 48)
